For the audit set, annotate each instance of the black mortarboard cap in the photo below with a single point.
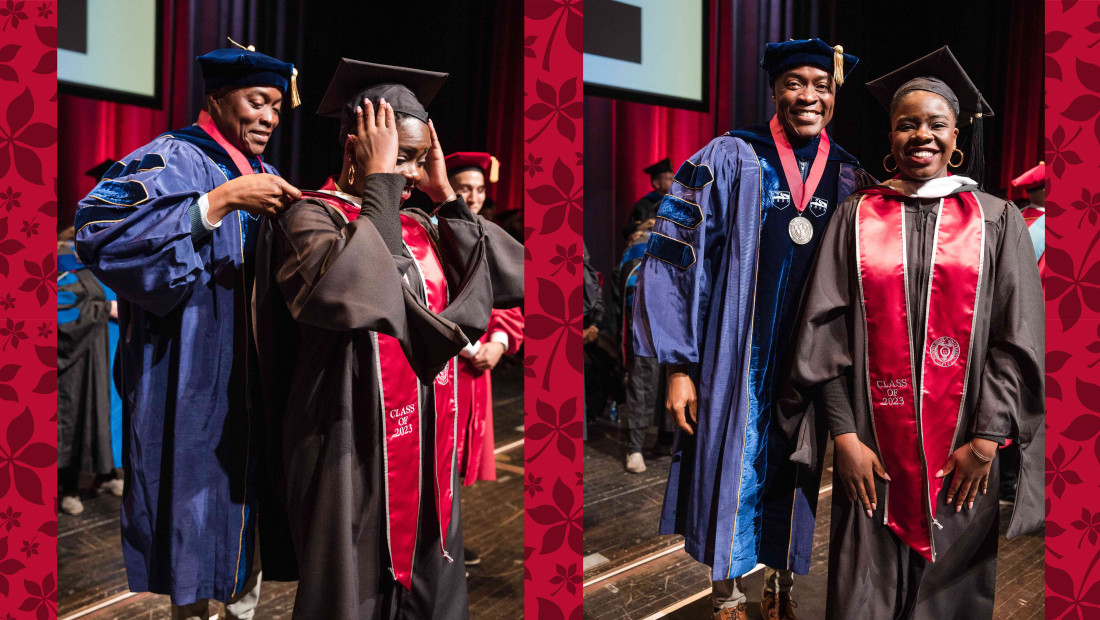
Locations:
(941, 66)
(409, 91)
(940, 73)
(778, 57)
(658, 168)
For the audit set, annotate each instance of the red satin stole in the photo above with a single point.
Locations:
(206, 123)
(915, 436)
(402, 410)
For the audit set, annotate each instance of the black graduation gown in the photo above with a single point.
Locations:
(322, 287)
(871, 572)
(83, 370)
(645, 208)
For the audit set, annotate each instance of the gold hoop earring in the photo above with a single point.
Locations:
(351, 175)
(888, 168)
(962, 157)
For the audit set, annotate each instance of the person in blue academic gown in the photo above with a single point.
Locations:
(170, 229)
(717, 302)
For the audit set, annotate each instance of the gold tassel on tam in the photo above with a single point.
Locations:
(494, 169)
(838, 64)
(295, 100)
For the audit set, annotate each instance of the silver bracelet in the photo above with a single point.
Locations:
(450, 198)
(978, 455)
(439, 205)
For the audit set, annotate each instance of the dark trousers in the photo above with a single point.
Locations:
(645, 402)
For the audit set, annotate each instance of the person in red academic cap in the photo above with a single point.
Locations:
(1034, 182)
(468, 174)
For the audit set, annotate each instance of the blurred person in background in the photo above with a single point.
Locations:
(83, 376)
(469, 173)
(660, 179)
(644, 379)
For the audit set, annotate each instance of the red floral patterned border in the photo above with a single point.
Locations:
(1071, 283)
(28, 309)
(553, 389)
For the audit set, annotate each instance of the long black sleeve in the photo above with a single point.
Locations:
(382, 211)
(837, 405)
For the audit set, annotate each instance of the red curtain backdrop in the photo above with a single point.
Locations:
(506, 105)
(1023, 114)
(91, 130)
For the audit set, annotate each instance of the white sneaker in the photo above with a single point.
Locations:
(71, 505)
(634, 463)
(113, 486)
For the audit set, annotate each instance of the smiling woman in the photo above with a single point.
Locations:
(924, 134)
(928, 261)
(246, 116)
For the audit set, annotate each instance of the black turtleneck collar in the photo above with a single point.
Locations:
(807, 149)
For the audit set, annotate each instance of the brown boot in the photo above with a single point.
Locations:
(774, 607)
(786, 607)
(769, 605)
(732, 613)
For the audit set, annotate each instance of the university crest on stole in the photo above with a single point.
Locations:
(944, 351)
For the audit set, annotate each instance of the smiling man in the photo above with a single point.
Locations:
(171, 229)
(717, 302)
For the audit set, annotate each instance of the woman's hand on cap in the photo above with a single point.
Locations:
(376, 147)
(435, 183)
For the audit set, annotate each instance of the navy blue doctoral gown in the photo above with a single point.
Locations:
(720, 289)
(188, 513)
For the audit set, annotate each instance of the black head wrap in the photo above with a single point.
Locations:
(930, 84)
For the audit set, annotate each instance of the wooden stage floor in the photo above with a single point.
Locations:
(632, 572)
(92, 580)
